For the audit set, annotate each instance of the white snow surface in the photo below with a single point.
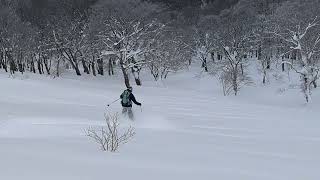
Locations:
(186, 130)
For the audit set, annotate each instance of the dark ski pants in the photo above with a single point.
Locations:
(128, 110)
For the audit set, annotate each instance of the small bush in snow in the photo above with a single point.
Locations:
(110, 137)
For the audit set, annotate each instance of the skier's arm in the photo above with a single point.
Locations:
(134, 100)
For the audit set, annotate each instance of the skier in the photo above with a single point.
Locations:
(126, 101)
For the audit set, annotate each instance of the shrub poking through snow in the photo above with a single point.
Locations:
(110, 137)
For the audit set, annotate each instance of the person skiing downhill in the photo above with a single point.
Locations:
(126, 101)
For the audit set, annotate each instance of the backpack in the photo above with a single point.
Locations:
(126, 98)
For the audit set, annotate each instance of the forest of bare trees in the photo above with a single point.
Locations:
(102, 37)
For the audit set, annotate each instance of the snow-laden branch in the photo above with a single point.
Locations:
(314, 23)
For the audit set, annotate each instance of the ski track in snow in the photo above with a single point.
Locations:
(180, 135)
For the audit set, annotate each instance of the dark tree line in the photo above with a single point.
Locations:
(42, 36)
(163, 37)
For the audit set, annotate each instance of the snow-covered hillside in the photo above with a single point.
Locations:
(185, 131)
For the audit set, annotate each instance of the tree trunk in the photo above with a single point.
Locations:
(315, 85)
(264, 72)
(212, 57)
(136, 78)
(283, 67)
(124, 71)
(155, 72)
(13, 67)
(85, 67)
(20, 67)
(58, 68)
(76, 68)
(39, 66)
(75, 65)
(93, 67)
(100, 66)
(1, 58)
(204, 65)
(264, 76)
(32, 67)
(234, 81)
(136, 72)
(22, 64)
(72, 59)
(138, 81)
(305, 88)
(47, 65)
(4, 65)
(3, 61)
(125, 76)
(259, 53)
(166, 75)
(110, 67)
(241, 67)
(269, 63)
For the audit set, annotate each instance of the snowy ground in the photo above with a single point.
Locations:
(186, 130)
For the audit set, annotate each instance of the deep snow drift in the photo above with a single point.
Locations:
(186, 130)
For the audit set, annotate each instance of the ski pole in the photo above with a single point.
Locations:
(113, 102)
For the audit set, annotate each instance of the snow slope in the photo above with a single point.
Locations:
(186, 130)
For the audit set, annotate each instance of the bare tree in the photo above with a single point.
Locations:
(235, 38)
(297, 25)
(110, 137)
(123, 27)
(205, 40)
(16, 39)
(167, 54)
(68, 38)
